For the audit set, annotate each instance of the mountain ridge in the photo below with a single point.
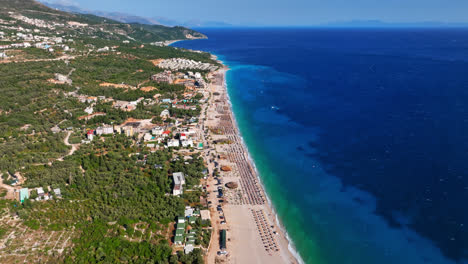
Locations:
(131, 18)
(92, 25)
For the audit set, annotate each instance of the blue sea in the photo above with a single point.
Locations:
(360, 137)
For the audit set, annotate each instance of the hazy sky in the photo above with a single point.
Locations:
(287, 12)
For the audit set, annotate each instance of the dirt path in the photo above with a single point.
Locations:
(74, 147)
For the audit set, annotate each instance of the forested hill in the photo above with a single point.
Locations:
(70, 194)
(36, 15)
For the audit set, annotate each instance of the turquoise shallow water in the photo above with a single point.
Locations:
(358, 137)
(289, 214)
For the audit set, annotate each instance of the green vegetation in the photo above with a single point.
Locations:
(105, 244)
(114, 203)
(97, 26)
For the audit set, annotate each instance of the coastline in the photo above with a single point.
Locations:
(280, 225)
(170, 42)
(249, 223)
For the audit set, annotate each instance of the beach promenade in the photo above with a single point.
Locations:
(253, 236)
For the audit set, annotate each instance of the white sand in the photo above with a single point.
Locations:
(244, 243)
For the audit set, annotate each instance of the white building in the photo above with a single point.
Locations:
(187, 143)
(58, 192)
(157, 131)
(103, 49)
(188, 248)
(107, 130)
(165, 113)
(173, 143)
(62, 78)
(90, 135)
(89, 110)
(188, 211)
(40, 191)
(179, 181)
(205, 214)
(147, 137)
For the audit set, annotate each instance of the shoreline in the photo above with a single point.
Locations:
(168, 43)
(241, 219)
(283, 232)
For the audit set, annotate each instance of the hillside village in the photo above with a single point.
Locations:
(99, 105)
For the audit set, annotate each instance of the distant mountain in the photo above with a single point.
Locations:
(383, 24)
(200, 24)
(118, 16)
(130, 18)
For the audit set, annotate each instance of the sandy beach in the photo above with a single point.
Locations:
(253, 235)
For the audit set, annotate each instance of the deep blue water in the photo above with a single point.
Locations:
(360, 137)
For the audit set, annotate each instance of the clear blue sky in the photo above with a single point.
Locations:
(286, 12)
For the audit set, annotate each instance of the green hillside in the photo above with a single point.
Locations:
(91, 25)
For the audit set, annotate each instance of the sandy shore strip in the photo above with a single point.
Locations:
(253, 235)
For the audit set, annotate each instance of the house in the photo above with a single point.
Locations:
(105, 49)
(40, 192)
(183, 136)
(205, 215)
(128, 130)
(107, 130)
(57, 192)
(187, 143)
(165, 113)
(178, 189)
(188, 212)
(188, 248)
(179, 181)
(89, 110)
(63, 79)
(147, 137)
(3, 55)
(90, 134)
(165, 76)
(91, 99)
(173, 143)
(157, 131)
(166, 133)
(117, 129)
